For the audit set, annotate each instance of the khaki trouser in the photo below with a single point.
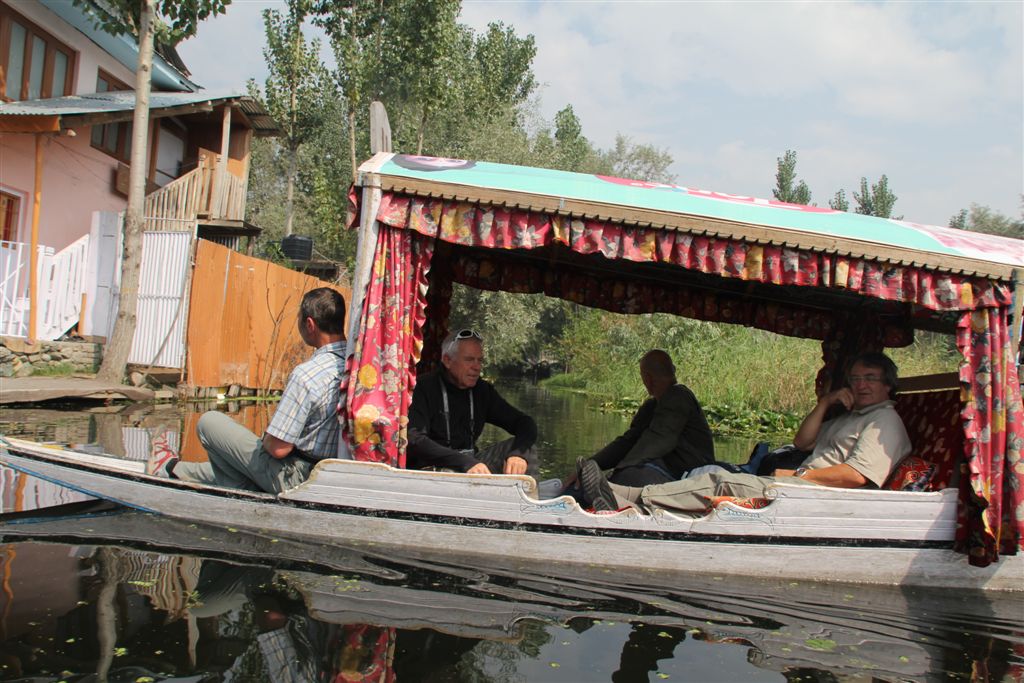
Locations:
(693, 495)
(238, 459)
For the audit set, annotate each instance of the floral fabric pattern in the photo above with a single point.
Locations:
(389, 341)
(991, 511)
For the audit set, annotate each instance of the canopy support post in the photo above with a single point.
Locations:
(1018, 309)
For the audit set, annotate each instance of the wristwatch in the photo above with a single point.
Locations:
(800, 472)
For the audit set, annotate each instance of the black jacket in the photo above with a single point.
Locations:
(429, 445)
(672, 428)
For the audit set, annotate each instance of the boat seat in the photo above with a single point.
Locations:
(932, 419)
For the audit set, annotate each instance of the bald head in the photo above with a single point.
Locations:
(657, 372)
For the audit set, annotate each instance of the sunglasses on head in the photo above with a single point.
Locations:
(468, 334)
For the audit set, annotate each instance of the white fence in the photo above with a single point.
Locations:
(60, 280)
(163, 300)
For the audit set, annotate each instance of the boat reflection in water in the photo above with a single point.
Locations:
(127, 596)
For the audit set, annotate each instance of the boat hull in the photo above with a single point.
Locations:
(493, 516)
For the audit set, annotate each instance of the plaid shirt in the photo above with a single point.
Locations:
(307, 415)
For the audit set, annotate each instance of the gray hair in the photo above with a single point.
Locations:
(450, 345)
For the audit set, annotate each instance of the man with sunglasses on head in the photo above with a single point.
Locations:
(857, 449)
(450, 408)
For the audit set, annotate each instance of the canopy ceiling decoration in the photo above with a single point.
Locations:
(854, 282)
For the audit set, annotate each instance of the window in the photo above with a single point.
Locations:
(9, 205)
(33, 64)
(113, 138)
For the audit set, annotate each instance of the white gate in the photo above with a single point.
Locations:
(60, 280)
(163, 300)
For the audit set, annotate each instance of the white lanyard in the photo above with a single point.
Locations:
(447, 422)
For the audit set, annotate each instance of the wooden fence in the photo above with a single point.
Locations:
(242, 323)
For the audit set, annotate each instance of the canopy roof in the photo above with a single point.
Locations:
(72, 111)
(675, 207)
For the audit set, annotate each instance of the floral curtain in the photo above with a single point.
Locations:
(381, 371)
(991, 510)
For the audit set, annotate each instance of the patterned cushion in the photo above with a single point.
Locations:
(932, 419)
(912, 474)
(749, 503)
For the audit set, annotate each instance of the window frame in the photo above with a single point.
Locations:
(122, 147)
(15, 223)
(53, 46)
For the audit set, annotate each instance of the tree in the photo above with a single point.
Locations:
(785, 177)
(141, 19)
(298, 90)
(638, 162)
(878, 200)
(839, 202)
(983, 219)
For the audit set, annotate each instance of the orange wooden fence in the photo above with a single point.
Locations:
(242, 322)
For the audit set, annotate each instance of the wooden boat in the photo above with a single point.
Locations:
(805, 533)
(852, 281)
(783, 625)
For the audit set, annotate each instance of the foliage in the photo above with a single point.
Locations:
(787, 189)
(298, 90)
(179, 19)
(878, 200)
(983, 219)
(839, 202)
(637, 161)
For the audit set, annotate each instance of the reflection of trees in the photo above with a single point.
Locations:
(492, 660)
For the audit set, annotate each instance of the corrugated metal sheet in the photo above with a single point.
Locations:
(163, 307)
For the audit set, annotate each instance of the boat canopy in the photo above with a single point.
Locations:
(854, 282)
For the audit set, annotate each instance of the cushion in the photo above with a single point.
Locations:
(912, 474)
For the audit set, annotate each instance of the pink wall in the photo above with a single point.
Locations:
(77, 180)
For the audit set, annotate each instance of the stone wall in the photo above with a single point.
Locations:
(18, 358)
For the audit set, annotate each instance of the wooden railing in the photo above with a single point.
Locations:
(206, 191)
(61, 280)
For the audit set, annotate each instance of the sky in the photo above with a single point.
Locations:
(930, 94)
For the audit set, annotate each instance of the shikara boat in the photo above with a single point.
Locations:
(854, 282)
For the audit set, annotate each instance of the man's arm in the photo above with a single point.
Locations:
(661, 436)
(276, 447)
(838, 476)
(612, 454)
(521, 426)
(807, 435)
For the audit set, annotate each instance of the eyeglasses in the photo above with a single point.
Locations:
(867, 379)
(468, 334)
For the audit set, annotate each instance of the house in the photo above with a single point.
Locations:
(65, 128)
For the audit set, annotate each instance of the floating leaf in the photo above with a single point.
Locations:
(232, 529)
(120, 651)
(904, 659)
(144, 679)
(823, 644)
(70, 640)
(554, 665)
(664, 634)
(661, 675)
(144, 584)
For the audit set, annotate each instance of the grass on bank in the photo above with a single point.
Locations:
(750, 382)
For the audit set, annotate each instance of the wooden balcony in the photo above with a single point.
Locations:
(210, 192)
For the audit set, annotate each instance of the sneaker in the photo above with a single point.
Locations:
(596, 491)
(162, 458)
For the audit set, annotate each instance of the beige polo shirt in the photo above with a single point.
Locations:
(871, 440)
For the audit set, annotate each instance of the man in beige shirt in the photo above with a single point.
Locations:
(855, 450)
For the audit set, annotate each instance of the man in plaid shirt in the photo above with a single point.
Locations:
(305, 427)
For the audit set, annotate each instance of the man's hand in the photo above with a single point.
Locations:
(478, 468)
(515, 465)
(278, 449)
(844, 396)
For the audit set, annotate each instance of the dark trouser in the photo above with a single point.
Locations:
(646, 473)
(495, 455)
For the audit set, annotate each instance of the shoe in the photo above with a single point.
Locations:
(162, 458)
(596, 491)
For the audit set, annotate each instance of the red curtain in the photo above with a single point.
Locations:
(382, 368)
(991, 511)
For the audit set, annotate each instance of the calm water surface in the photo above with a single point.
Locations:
(123, 596)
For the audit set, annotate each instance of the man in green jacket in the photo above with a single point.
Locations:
(668, 436)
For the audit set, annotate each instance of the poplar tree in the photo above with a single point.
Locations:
(787, 189)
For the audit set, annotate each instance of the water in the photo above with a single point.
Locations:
(139, 598)
(147, 598)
